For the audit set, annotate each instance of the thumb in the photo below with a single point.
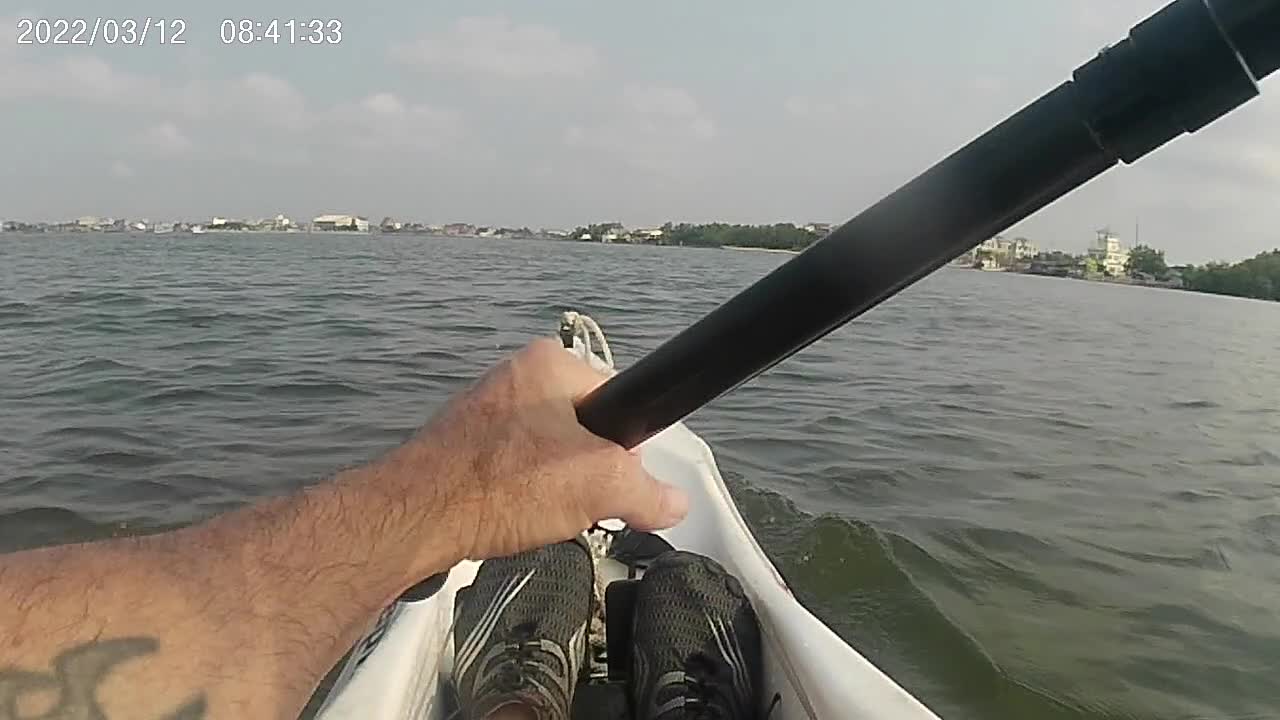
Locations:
(646, 503)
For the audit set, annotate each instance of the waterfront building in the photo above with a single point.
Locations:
(1109, 254)
(333, 223)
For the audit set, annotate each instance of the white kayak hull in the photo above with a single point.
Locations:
(400, 670)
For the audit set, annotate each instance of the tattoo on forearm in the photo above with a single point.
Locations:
(76, 675)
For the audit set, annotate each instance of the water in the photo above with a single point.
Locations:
(1021, 497)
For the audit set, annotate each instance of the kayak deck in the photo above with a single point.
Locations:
(402, 667)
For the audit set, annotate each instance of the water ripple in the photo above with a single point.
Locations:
(1021, 497)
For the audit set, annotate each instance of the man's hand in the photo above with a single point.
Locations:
(241, 615)
(516, 470)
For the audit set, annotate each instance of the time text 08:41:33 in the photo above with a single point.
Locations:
(280, 31)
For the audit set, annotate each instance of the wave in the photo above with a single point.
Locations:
(312, 390)
(864, 583)
(1258, 458)
(16, 310)
(1209, 558)
(95, 298)
(41, 526)
(183, 394)
(120, 459)
(98, 433)
(1195, 496)
(1193, 405)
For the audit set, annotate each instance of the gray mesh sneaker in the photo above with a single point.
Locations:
(521, 629)
(697, 651)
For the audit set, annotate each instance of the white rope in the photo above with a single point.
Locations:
(583, 328)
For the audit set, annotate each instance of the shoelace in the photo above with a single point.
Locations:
(708, 692)
(517, 655)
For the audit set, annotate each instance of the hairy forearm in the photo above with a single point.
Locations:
(236, 617)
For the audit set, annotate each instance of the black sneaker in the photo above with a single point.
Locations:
(521, 631)
(697, 651)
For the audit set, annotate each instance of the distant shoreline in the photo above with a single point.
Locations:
(1122, 281)
(186, 233)
(760, 249)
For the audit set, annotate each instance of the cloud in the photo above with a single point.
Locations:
(495, 47)
(253, 113)
(77, 78)
(257, 118)
(670, 103)
(652, 127)
(164, 138)
(268, 88)
(122, 170)
(384, 121)
(383, 103)
(255, 98)
(268, 99)
(378, 122)
(821, 106)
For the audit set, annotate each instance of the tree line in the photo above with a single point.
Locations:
(1257, 277)
(779, 236)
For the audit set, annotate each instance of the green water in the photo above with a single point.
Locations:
(1020, 497)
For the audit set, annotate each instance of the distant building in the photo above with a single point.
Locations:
(459, 229)
(335, 223)
(1109, 254)
(1024, 249)
(219, 224)
(647, 235)
(1056, 263)
(1002, 252)
(819, 229)
(994, 253)
(998, 245)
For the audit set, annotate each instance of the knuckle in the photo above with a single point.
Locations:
(543, 348)
(616, 464)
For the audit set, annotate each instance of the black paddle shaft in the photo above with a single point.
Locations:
(1182, 68)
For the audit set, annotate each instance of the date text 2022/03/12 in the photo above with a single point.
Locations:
(173, 31)
(100, 30)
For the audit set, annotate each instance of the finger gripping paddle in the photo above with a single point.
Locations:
(1189, 64)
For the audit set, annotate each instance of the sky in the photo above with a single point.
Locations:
(560, 113)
